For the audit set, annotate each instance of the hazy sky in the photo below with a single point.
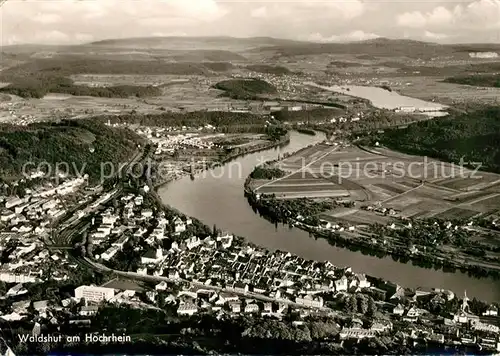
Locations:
(70, 21)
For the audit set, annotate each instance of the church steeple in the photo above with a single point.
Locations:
(465, 302)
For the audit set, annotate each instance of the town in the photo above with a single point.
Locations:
(154, 256)
(167, 188)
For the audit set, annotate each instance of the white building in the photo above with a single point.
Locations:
(362, 281)
(147, 213)
(88, 310)
(239, 287)
(12, 202)
(121, 241)
(7, 215)
(483, 54)
(139, 200)
(152, 256)
(193, 242)
(187, 309)
(356, 333)
(491, 311)
(251, 308)
(479, 326)
(109, 219)
(94, 294)
(109, 253)
(398, 310)
(310, 301)
(407, 109)
(235, 307)
(17, 278)
(341, 284)
(226, 240)
(179, 226)
(161, 286)
(18, 289)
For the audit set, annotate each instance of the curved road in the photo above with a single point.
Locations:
(142, 277)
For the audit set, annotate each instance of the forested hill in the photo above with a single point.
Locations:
(79, 143)
(478, 80)
(245, 89)
(475, 136)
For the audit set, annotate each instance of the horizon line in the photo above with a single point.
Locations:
(297, 41)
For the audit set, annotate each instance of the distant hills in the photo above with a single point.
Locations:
(380, 47)
(173, 42)
(222, 48)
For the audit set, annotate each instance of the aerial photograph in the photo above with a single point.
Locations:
(255, 177)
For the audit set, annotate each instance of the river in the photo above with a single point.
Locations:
(385, 99)
(216, 197)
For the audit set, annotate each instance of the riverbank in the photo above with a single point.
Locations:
(371, 247)
(307, 132)
(283, 140)
(231, 212)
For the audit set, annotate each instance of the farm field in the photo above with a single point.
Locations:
(355, 217)
(416, 187)
(456, 212)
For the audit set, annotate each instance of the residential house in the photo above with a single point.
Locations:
(41, 306)
(489, 328)
(21, 307)
(7, 215)
(412, 314)
(88, 310)
(109, 253)
(437, 338)
(310, 301)
(240, 287)
(252, 308)
(235, 307)
(187, 309)
(161, 286)
(268, 308)
(356, 333)
(491, 311)
(139, 200)
(94, 294)
(381, 326)
(152, 256)
(159, 233)
(193, 242)
(12, 202)
(18, 289)
(225, 239)
(341, 284)
(398, 310)
(362, 281)
(179, 225)
(109, 219)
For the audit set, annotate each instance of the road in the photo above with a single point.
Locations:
(76, 227)
(299, 170)
(67, 230)
(141, 277)
(401, 194)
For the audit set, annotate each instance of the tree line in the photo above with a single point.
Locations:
(460, 138)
